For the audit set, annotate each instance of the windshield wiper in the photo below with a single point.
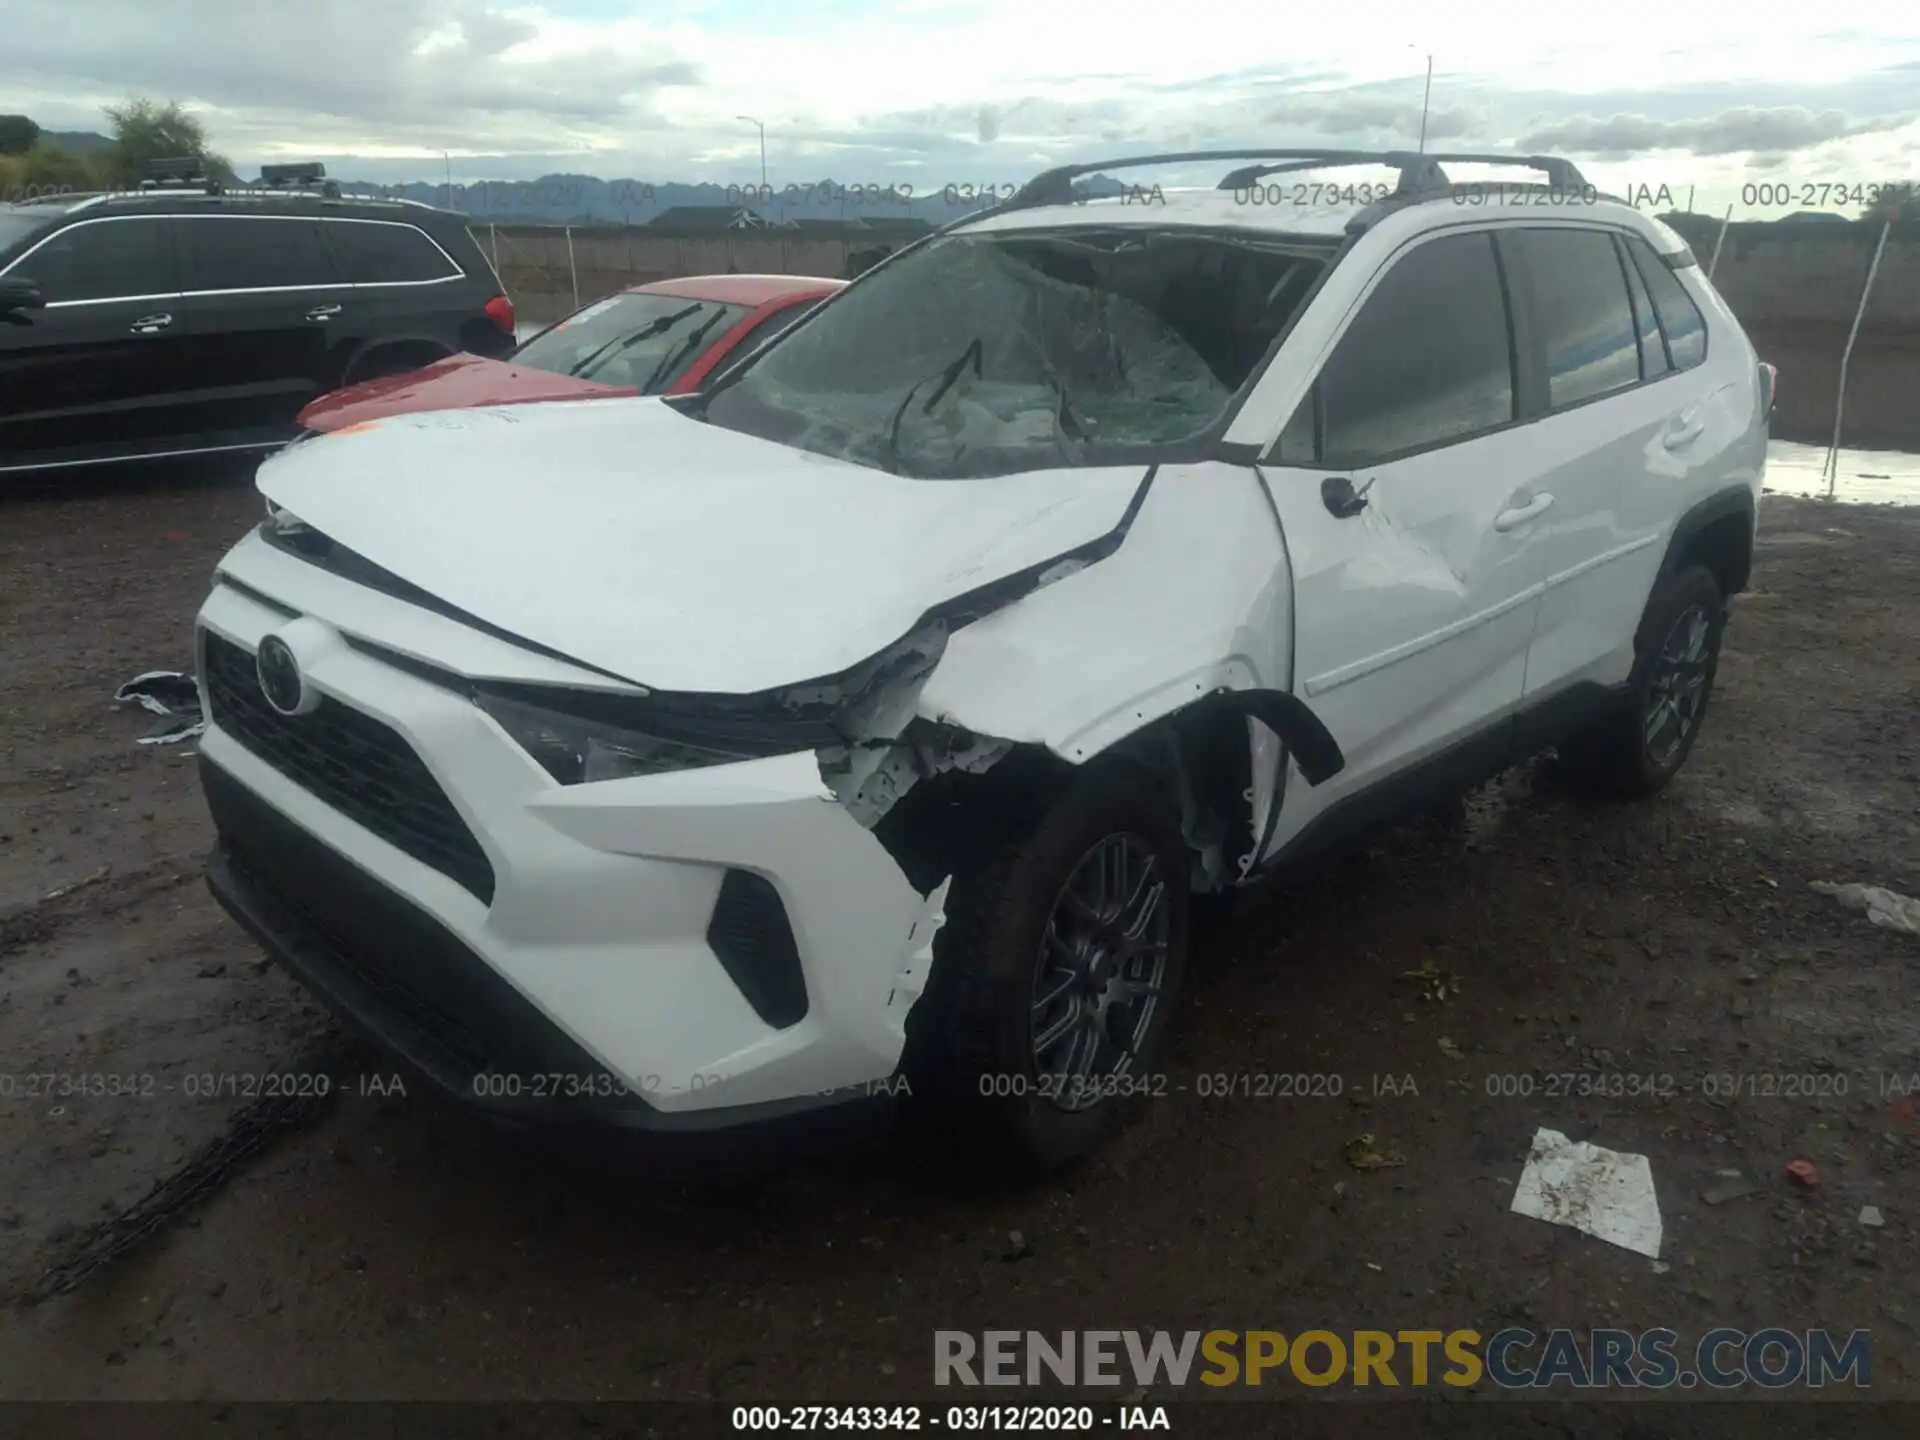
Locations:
(645, 332)
(690, 345)
(948, 378)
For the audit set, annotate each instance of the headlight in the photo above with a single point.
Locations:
(579, 752)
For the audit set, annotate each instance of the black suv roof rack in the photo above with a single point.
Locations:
(1421, 176)
(303, 175)
(184, 172)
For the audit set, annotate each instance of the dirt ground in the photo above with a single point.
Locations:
(380, 1247)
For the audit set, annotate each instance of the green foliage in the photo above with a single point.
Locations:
(47, 168)
(17, 134)
(145, 131)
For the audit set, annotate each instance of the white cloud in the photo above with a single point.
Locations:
(968, 91)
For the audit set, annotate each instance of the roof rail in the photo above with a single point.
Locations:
(1420, 174)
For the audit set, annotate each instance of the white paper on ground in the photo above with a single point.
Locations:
(1884, 907)
(1603, 1193)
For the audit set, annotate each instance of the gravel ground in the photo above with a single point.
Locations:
(382, 1247)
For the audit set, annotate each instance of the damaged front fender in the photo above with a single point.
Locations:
(1197, 601)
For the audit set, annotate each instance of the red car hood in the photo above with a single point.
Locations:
(459, 382)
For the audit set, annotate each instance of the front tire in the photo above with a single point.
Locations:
(1639, 747)
(1056, 975)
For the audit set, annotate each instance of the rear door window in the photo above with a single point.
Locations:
(1427, 361)
(102, 260)
(252, 252)
(379, 252)
(1680, 319)
(1580, 311)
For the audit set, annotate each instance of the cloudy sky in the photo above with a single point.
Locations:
(1709, 94)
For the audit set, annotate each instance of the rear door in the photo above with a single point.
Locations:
(259, 294)
(1623, 440)
(1412, 611)
(406, 289)
(101, 369)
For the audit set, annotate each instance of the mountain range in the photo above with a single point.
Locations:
(589, 200)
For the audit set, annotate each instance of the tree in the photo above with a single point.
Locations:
(17, 134)
(1895, 201)
(144, 131)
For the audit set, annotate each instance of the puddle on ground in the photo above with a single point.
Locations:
(1865, 477)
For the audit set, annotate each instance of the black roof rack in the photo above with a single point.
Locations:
(302, 175)
(184, 172)
(1421, 175)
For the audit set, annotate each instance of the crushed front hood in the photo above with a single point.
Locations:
(675, 553)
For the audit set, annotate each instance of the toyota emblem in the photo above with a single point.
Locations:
(280, 678)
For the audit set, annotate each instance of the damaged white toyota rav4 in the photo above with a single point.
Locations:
(705, 766)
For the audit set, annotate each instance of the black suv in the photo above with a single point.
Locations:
(185, 318)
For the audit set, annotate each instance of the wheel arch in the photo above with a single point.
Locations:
(417, 351)
(1717, 532)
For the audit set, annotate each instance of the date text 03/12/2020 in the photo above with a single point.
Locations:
(60, 1085)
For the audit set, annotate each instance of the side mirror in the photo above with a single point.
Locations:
(1343, 502)
(20, 295)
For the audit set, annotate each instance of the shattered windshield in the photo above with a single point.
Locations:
(987, 353)
(645, 341)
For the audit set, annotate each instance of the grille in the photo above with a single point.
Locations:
(351, 761)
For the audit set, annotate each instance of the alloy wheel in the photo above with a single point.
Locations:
(1100, 972)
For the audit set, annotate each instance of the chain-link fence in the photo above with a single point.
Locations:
(551, 270)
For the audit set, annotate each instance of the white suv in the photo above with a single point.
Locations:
(724, 766)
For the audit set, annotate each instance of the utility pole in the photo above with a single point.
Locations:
(448, 157)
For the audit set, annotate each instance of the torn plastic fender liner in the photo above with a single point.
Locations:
(864, 933)
(1314, 750)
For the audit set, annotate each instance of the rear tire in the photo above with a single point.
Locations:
(1029, 949)
(1639, 746)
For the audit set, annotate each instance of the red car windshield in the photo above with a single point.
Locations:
(643, 341)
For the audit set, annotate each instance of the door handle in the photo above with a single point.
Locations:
(323, 312)
(1684, 433)
(150, 324)
(1508, 519)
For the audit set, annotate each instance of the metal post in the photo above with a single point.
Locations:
(1714, 263)
(1840, 396)
(493, 245)
(573, 269)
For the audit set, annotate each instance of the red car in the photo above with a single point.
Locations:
(660, 339)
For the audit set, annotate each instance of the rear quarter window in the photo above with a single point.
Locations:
(379, 252)
(1681, 322)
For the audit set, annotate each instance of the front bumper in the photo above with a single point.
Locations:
(401, 981)
(571, 974)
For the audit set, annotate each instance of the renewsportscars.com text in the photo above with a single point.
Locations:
(1514, 1359)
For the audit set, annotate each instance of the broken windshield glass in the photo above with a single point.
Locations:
(986, 353)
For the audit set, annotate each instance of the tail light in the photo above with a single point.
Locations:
(1769, 386)
(500, 311)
